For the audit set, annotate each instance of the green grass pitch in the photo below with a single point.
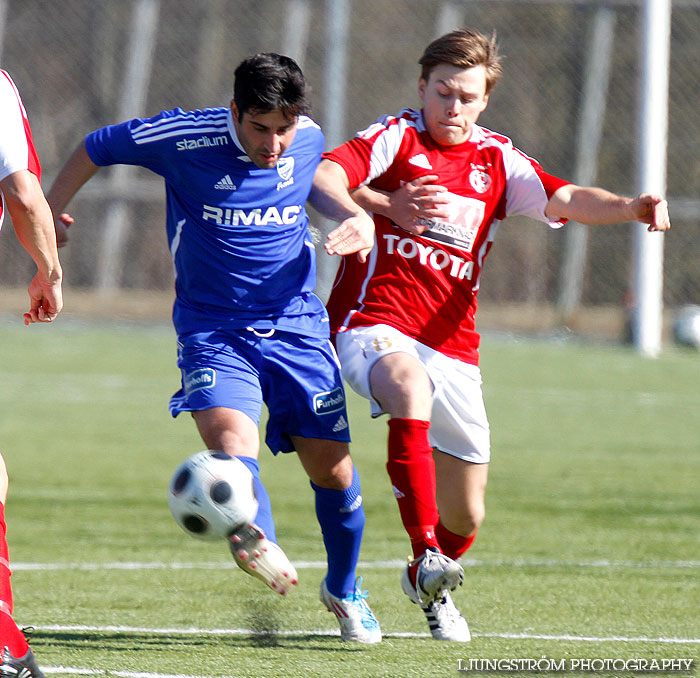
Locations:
(590, 547)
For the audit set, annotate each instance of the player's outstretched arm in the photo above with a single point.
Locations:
(77, 170)
(596, 206)
(410, 206)
(330, 196)
(31, 218)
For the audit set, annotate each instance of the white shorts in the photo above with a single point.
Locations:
(458, 423)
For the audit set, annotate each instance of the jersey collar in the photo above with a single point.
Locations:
(232, 131)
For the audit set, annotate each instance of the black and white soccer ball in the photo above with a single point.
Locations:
(211, 495)
(686, 326)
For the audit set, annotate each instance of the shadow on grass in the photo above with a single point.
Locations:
(72, 641)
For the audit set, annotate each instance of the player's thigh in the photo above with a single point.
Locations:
(461, 489)
(401, 385)
(459, 425)
(219, 369)
(230, 430)
(383, 365)
(303, 390)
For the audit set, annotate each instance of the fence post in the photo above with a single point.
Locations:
(648, 251)
(144, 24)
(335, 96)
(449, 17)
(296, 30)
(590, 130)
(3, 20)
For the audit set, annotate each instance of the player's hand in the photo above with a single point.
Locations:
(355, 234)
(62, 224)
(652, 209)
(417, 201)
(46, 300)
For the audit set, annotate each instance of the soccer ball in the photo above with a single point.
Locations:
(211, 495)
(686, 328)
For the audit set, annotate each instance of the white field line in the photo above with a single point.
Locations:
(388, 564)
(376, 564)
(334, 632)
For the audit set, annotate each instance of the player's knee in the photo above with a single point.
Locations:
(469, 519)
(331, 481)
(334, 476)
(233, 444)
(327, 463)
(476, 516)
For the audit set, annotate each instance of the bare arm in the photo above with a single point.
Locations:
(31, 218)
(78, 169)
(416, 202)
(596, 206)
(330, 196)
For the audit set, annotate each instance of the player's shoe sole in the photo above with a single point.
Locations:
(357, 622)
(19, 667)
(435, 574)
(255, 554)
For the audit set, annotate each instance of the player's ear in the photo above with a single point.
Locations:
(421, 88)
(484, 102)
(234, 111)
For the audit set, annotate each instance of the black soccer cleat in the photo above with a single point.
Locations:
(24, 667)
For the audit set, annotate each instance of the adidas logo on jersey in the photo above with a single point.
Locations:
(341, 424)
(225, 184)
(420, 160)
(397, 492)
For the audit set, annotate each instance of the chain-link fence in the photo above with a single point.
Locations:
(81, 64)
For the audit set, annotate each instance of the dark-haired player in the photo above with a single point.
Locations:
(250, 328)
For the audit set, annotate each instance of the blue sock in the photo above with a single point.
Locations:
(342, 521)
(263, 518)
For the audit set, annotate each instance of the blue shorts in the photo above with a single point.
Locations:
(297, 377)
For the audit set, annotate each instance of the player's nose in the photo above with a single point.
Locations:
(452, 106)
(274, 144)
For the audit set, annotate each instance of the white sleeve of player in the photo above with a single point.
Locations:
(14, 151)
(385, 135)
(525, 193)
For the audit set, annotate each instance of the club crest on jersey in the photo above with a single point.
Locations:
(285, 168)
(329, 401)
(479, 179)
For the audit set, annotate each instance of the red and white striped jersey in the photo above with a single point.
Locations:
(426, 286)
(17, 150)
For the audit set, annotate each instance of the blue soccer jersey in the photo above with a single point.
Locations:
(238, 234)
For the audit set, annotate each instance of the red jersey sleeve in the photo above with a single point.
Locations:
(370, 154)
(353, 156)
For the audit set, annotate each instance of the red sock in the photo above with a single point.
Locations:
(5, 572)
(412, 472)
(10, 635)
(453, 545)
